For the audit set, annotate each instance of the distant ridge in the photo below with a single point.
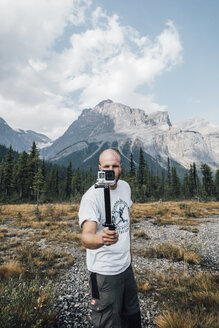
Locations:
(111, 124)
(19, 139)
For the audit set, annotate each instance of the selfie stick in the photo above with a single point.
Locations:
(108, 222)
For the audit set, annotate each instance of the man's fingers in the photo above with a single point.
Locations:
(110, 233)
(109, 238)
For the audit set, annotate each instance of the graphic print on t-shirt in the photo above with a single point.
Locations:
(120, 216)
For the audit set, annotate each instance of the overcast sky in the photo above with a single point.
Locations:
(60, 56)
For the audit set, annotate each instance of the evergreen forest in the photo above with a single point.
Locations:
(25, 177)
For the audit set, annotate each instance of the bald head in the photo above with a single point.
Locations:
(108, 154)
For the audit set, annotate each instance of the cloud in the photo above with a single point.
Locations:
(43, 85)
(120, 61)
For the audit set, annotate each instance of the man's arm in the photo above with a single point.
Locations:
(93, 240)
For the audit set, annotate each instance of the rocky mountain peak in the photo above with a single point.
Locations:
(159, 118)
(111, 124)
(102, 103)
(20, 139)
(125, 117)
(2, 121)
(199, 125)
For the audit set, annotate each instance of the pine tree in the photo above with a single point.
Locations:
(89, 178)
(52, 183)
(169, 179)
(196, 180)
(155, 186)
(1, 177)
(175, 186)
(186, 186)
(132, 167)
(37, 187)
(76, 183)
(7, 177)
(43, 169)
(193, 181)
(141, 166)
(68, 180)
(21, 175)
(148, 181)
(216, 185)
(207, 180)
(33, 166)
(162, 185)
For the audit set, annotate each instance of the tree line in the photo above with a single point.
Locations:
(27, 178)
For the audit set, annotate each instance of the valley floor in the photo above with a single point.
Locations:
(175, 259)
(74, 299)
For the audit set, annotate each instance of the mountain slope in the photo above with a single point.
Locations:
(113, 124)
(20, 140)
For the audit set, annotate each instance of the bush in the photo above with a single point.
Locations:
(173, 252)
(189, 301)
(27, 304)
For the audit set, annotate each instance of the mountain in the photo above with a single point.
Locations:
(209, 133)
(19, 139)
(112, 124)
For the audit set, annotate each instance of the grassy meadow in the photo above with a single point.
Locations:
(36, 248)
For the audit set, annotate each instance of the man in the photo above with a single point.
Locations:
(114, 291)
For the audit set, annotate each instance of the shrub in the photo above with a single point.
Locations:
(10, 269)
(173, 252)
(27, 304)
(190, 301)
(141, 234)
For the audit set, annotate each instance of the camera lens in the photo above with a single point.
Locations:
(110, 175)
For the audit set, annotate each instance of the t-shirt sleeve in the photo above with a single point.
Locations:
(130, 193)
(88, 211)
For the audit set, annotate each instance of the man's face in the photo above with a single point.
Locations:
(111, 161)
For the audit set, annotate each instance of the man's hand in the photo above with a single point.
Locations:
(109, 237)
(93, 240)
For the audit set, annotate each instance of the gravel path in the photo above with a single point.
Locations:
(74, 299)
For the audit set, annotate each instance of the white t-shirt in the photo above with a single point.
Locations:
(114, 259)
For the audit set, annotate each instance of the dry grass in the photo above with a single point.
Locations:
(189, 229)
(27, 303)
(44, 262)
(176, 319)
(32, 246)
(3, 230)
(57, 225)
(11, 269)
(190, 300)
(23, 237)
(175, 212)
(188, 254)
(186, 300)
(176, 220)
(36, 245)
(143, 286)
(141, 234)
(27, 212)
